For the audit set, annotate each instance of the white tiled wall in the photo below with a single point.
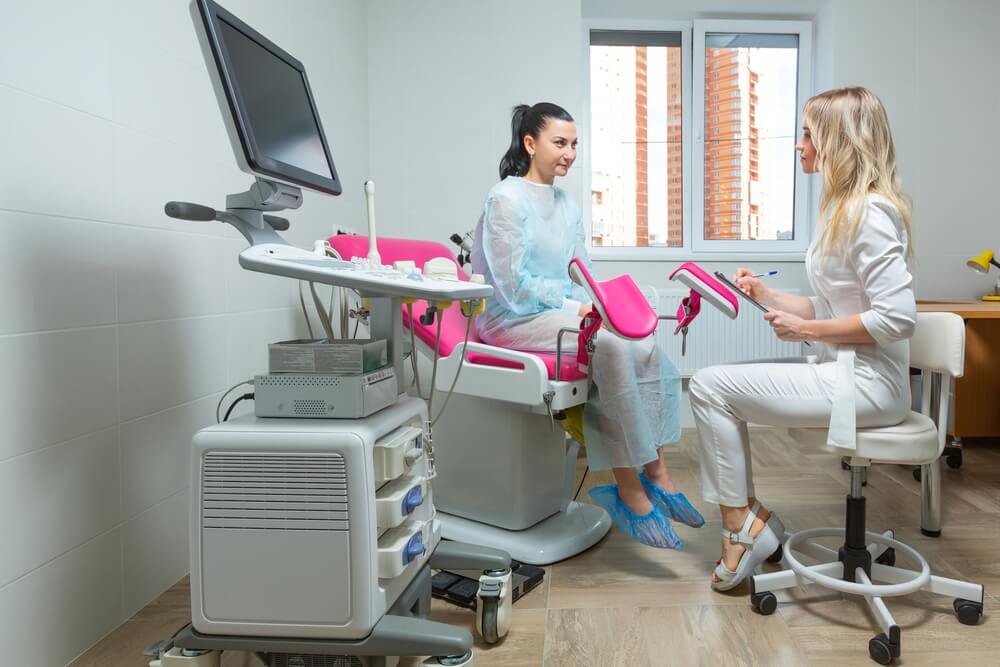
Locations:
(119, 327)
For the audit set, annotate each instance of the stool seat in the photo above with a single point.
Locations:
(914, 441)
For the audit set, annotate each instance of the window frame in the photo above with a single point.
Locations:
(695, 246)
(802, 225)
(684, 28)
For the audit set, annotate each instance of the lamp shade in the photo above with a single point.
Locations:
(981, 262)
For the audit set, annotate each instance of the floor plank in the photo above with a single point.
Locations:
(621, 603)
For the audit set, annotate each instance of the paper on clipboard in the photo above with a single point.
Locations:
(731, 285)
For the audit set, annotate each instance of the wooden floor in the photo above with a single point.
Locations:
(622, 603)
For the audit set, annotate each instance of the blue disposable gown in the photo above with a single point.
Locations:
(526, 236)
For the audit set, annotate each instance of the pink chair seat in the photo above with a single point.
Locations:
(453, 323)
(621, 303)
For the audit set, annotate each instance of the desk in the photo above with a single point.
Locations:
(976, 405)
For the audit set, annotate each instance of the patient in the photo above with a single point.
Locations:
(528, 232)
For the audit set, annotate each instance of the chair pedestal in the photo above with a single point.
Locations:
(872, 574)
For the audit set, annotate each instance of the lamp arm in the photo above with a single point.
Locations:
(995, 263)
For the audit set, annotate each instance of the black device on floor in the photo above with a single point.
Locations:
(457, 588)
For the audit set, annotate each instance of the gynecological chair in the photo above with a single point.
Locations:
(505, 472)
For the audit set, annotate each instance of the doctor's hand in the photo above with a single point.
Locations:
(754, 287)
(788, 327)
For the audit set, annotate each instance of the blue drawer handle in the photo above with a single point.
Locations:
(413, 499)
(414, 549)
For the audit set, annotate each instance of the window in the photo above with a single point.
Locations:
(692, 134)
(636, 141)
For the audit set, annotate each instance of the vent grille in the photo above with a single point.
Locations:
(274, 492)
(308, 407)
(302, 660)
(286, 380)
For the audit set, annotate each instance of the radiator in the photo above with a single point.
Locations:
(714, 339)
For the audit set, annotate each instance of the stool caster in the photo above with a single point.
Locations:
(917, 474)
(776, 557)
(967, 611)
(888, 557)
(881, 650)
(764, 603)
(954, 460)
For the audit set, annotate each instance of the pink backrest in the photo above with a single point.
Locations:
(619, 301)
(453, 323)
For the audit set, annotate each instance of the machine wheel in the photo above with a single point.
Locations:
(778, 554)
(450, 661)
(888, 557)
(880, 649)
(491, 608)
(967, 611)
(764, 603)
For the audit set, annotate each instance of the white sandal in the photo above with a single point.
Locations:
(774, 523)
(757, 549)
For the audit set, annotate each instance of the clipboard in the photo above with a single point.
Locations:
(731, 285)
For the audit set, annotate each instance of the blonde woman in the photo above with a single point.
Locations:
(859, 321)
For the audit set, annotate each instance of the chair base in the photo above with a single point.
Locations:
(563, 535)
(829, 573)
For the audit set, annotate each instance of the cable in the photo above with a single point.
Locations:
(235, 403)
(461, 363)
(585, 471)
(413, 350)
(434, 366)
(226, 393)
(357, 322)
(323, 317)
(305, 313)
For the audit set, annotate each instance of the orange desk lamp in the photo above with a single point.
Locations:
(981, 264)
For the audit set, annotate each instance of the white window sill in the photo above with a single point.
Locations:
(685, 255)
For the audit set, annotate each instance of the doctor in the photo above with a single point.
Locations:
(861, 319)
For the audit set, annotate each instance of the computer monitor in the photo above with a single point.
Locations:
(266, 103)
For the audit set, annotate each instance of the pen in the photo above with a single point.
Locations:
(764, 275)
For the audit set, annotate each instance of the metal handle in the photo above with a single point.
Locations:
(559, 338)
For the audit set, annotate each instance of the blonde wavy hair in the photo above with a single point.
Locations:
(856, 157)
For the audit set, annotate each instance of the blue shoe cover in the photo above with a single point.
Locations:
(674, 505)
(651, 529)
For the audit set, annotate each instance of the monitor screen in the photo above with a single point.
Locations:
(272, 107)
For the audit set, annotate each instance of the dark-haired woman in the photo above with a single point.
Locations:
(527, 234)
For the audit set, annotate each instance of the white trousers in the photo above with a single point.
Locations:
(791, 393)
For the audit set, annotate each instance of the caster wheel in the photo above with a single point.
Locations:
(491, 607)
(777, 555)
(888, 557)
(967, 611)
(844, 465)
(954, 461)
(880, 649)
(917, 473)
(449, 661)
(764, 603)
